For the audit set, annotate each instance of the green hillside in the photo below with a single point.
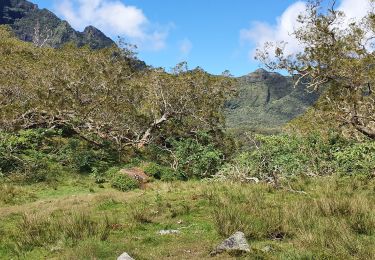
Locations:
(267, 101)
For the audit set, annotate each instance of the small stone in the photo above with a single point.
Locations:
(56, 249)
(125, 256)
(169, 232)
(236, 243)
(267, 249)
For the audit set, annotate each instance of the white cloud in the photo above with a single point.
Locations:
(259, 32)
(114, 18)
(185, 47)
(355, 9)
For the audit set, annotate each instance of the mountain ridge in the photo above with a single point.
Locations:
(32, 24)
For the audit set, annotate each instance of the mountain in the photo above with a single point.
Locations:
(266, 101)
(41, 26)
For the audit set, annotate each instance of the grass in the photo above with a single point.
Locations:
(333, 219)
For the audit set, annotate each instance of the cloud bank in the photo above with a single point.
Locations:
(114, 18)
(259, 32)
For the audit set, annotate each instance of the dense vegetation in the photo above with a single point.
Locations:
(74, 121)
(102, 96)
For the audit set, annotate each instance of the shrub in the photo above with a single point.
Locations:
(112, 172)
(124, 183)
(357, 158)
(80, 156)
(34, 155)
(196, 157)
(99, 176)
(288, 156)
(161, 172)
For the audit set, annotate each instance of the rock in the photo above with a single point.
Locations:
(267, 249)
(125, 256)
(169, 232)
(56, 249)
(137, 174)
(237, 243)
(252, 179)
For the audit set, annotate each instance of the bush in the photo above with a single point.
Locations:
(80, 156)
(124, 183)
(99, 176)
(288, 156)
(358, 158)
(22, 155)
(196, 157)
(161, 172)
(37, 155)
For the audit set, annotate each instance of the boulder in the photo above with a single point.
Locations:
(125, 256)
(136, 173)
(237, 243)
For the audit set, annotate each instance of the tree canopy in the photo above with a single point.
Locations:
(102, 96)
(337, 54)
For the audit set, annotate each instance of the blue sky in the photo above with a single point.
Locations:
(213, 34)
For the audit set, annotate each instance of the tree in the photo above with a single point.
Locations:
(338, 55)
(103, 95)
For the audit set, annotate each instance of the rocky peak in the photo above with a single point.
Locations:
(24, 16)
(10, 10)
(95, 38)
(92, 31)
(261, 75)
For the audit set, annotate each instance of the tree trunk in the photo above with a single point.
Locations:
(146, 136)
(366, 131)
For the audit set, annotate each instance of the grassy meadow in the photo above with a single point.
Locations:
(325, 218)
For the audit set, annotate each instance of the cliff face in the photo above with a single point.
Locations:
(40, 25)
(11, 10)
(267, 100)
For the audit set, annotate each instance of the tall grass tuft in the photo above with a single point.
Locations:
(39, 231)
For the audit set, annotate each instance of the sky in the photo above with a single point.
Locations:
(216, 35)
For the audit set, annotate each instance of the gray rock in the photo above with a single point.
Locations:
(125, 256)
(169, 232)
(56, 249)
(267, 249)
(237, 243)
